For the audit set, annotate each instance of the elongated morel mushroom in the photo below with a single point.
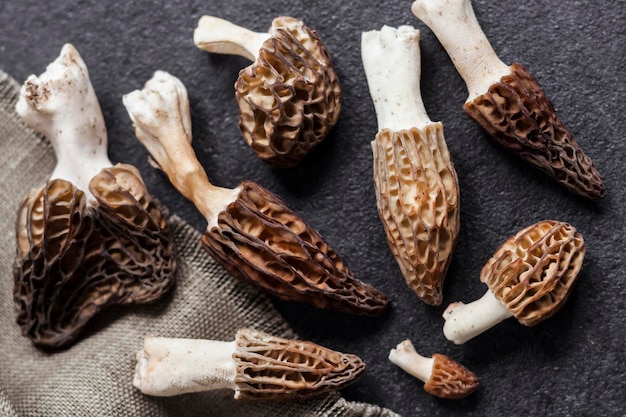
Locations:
(507, 101)
(290, 96)
(417, 191)
(92, 236)
(529, 277)
(250, 231)
(256, 365)
(442, 376)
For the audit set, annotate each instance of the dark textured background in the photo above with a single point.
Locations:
(570, 365)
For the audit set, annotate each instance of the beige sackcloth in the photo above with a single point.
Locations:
(94, 376)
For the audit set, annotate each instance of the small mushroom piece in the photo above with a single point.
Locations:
(443, 377)
(417, 190)
(290, 96)
(92, 236)
(529, 277)
(256, 365)
(507, 101)
(250, 231)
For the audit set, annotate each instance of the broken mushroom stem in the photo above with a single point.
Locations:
(62, 105)
(223, 37)
(406, 357)
(455, 25)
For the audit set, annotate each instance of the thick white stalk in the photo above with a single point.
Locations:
(466, 321)
(223, 37)
(391, 59)
(62, 105)
(454, 23)
(406, 357)
(169, 366)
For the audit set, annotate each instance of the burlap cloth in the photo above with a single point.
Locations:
(94, 376)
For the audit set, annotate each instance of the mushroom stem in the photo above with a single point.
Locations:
(223, 37)
(406, 357)
(466, 321)
(391, 59)
(162, 122)
(62, 105)
(454, 24)
(169, 366)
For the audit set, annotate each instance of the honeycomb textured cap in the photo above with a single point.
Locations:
(273, 368)
(450, 379)
(533, 272)
(261, 241)
(519, 116)
(417, 197)
(290, 96)
(75, 259)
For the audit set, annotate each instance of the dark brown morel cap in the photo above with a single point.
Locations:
(75, 258)
(273, 368)
(449, 379)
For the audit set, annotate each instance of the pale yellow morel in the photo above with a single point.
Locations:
(529, 277)
(250, 231)
(417, 191)
(256, 366)
(290, 96)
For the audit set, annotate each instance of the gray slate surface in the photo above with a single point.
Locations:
(573, 364)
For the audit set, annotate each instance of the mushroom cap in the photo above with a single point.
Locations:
(417, 197)
(519, 116)
(273, 368)
(260, 240)
(289, 97)
(450, 379)
(75, 258)
(533, 272)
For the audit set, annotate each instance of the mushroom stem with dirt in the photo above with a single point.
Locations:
(417, 191)
(529, 277)
(256, 365)
(92, 236)
(250, 231)
(442, 376)
(290, 96)
(507, 101)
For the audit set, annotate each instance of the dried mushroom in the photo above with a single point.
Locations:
(529, 277)
(256, 365)
(443, 377)
(417, 191)
(92, 236)
(289, 97)
(507, 101)
(250, 231)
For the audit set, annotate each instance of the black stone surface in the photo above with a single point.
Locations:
(571, 365)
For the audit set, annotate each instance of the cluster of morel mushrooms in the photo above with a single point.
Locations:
(92, 236)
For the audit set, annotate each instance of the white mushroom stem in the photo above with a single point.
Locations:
(391, 59)
(62, 105)
(223, 37)
(406, 357)
(454, 24)
(466, 321)
(169, 366)
(162, 122)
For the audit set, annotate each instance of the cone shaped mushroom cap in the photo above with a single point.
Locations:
(251, 232)
(92, 236)
(417, 190)
(507, 101)
(290, 96)
(257, 366)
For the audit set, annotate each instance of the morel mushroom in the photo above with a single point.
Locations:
(289, 97)
(256, 365)
(443, 377)
(417, 191)
(92, 236)
(529, 277)
(250, 231)
(507, 101)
